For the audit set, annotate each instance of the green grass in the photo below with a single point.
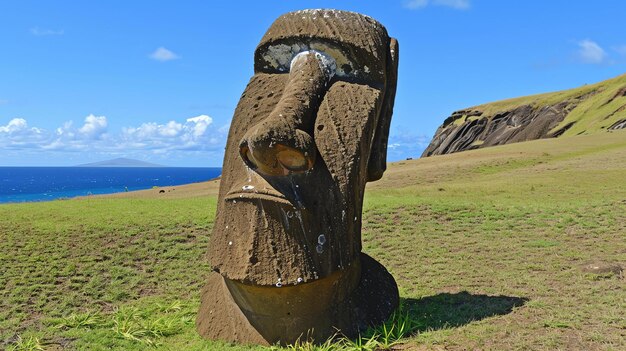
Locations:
(487, 248)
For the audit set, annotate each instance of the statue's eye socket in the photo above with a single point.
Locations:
(327, 63)
(350, 64)
(279, 57)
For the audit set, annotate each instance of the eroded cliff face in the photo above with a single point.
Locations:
(471, 129)
(593, 108)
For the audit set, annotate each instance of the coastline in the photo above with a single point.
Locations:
(200, 189)
(45, 184)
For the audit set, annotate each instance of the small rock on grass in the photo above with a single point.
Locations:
(603, 269)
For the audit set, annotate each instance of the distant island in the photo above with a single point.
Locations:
(120, 162)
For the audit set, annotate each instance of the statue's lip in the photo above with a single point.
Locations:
(257, 195)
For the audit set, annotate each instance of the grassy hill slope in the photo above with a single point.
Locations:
(605, 106)
(491, 249)
(588, 109)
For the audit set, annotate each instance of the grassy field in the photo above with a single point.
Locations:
(490, 248)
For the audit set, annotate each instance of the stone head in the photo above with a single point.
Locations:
(309, 132)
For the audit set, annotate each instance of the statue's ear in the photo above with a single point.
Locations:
(378, 155)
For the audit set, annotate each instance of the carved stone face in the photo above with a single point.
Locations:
(309, 131)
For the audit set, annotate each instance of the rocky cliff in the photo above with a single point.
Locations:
(589, 109)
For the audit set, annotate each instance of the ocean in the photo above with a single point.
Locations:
(21, 184)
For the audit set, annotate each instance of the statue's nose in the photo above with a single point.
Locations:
(282, 144)
(276, 147)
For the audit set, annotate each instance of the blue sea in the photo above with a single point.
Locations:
(20, 184)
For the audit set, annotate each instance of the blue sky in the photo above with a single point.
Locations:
(159, 80)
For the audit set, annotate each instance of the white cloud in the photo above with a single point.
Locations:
(196, 133)
(455, 4)
(44, 32)
(14, 126)
(4, 101)
(17, 135)
(199, 124)
(171, 129)
(94, 127)
(590, 52)
(55, 145)
(91, 135)
(190, 136)
(65, 130)
(162, 54)
(153, 130)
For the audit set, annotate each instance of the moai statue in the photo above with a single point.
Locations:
(309, 131)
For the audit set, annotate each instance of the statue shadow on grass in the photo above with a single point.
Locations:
(445, 310)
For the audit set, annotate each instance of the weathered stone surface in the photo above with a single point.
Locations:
(591, 108)
(621, 124)
(309, 132)
(478, 130)
(587, 109)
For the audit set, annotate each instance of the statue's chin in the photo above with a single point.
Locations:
(274, 310)
(348, 300)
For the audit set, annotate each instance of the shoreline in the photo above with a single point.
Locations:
(45, 184)
(204, 188)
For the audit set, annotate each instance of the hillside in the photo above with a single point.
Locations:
(589, 109)
(120, 162)
(513, 247)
